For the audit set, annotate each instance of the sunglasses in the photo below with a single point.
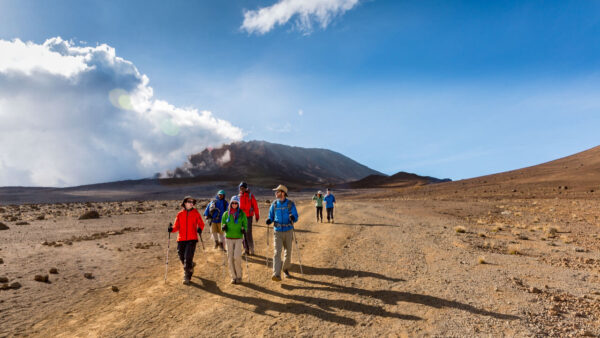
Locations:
(234, 202)
(191, 202)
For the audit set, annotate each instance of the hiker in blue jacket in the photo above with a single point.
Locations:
(283, 214)
(329, 204)
(213, 213)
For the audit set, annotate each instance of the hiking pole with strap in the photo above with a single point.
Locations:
(167, 259)
(246, 255)
(297, 247)
(267, 253)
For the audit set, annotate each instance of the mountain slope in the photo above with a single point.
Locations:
(262, 161)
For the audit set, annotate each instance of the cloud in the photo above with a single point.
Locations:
(306, 12)
(73, 115)
(300, 112)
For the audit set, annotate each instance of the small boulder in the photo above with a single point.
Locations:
(533, 289)
(41, 278)
(114, 289)
(15, 285)
(92, 214)
(53, 271)
(3, 279)
(1, 261)
(88, 275)
(3, 226)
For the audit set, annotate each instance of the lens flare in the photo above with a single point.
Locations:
(120, 99)
(169, 128)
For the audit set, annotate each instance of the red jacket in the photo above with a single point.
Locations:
(187, 223)
(248, 205)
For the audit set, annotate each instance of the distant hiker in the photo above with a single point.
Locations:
(318, 198)
(283, 214)
(189, 224)
(329, 203)
(234, 224)
(213, 213)
(250, 208)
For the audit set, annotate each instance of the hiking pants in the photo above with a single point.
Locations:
(248, 241)
(217, 233)
(320, 213)
(329, 214)
(282, 239)
(234, 257)
(186, 250)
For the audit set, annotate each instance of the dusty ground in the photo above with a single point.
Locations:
(393, 264)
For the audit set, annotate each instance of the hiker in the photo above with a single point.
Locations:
(234, 224)
(213, 213)
(283, 214)
(318, 198)
(250, 208)
(329, 203)
(189, 224)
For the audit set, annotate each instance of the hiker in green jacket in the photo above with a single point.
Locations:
(234, 223)
(318, 199)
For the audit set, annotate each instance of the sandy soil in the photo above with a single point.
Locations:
(393, 264)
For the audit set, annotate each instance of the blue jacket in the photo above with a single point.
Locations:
(221, 205)
(279, 213)
(329, 199)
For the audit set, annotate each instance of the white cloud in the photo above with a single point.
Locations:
(301, 112)
(225, 158)
(74, 115)
(263, 20)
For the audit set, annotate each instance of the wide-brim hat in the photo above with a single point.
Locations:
(187, 198)
(319, 192)
(282, 188)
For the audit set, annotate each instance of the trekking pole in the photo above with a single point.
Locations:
(201, 241)
(167, 259)
(297, 248)
(247, 269)
(267, 253)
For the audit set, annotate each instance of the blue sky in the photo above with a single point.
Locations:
(443, 88)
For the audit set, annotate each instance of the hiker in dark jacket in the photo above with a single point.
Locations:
(213, 213)
(189, 224)
(283, 214)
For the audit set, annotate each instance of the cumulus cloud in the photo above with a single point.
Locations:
(306, 12)
(72, 115)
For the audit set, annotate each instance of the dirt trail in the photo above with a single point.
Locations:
(386, 267)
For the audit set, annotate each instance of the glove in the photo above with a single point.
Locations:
(199, 231)
(170, 228)
(243, 230)
(293, 218)
(224, 227)
(269, 221)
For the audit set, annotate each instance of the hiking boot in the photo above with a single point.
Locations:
(186, 281)
(216, 245)
(238, 281)
(286, 273)
(234, 281)
(222, 246)
(276, 278)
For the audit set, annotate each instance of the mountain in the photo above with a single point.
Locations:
(266, 163)
(575, 175)
(398, 180)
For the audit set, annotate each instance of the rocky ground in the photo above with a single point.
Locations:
(393, 264)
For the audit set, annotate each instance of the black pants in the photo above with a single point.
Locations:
(330, 214)
(248, 242)
(186, 250)
(320, 213)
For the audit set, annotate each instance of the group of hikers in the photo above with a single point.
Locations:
(231, 228)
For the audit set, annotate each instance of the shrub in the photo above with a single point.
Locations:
(90, 215)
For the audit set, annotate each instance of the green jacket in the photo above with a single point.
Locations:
(318, 200)
(234, 230)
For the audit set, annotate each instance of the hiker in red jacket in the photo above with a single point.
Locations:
(189, 224)
(249, 206)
